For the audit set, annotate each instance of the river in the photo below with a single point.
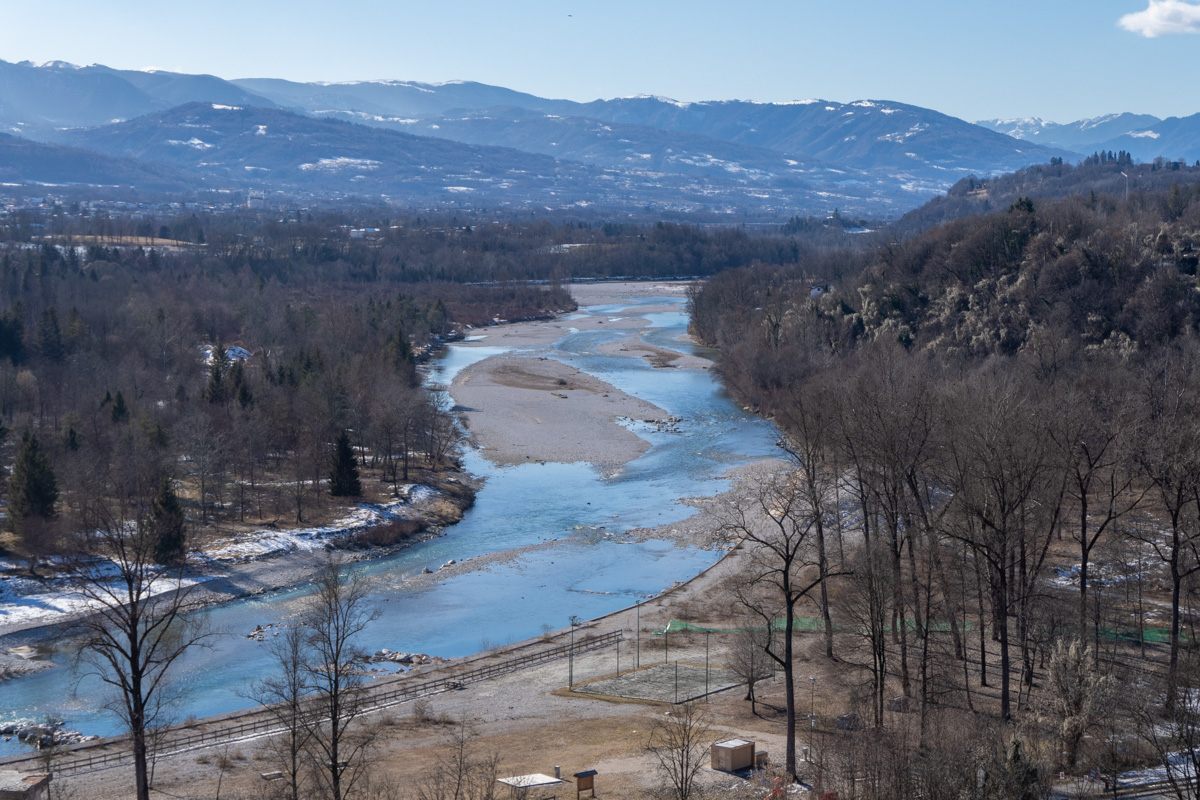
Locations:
(591, 569)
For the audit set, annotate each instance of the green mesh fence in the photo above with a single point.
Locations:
(815, 624)
(799, 624)
(1150, 635)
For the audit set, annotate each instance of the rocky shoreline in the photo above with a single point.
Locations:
(41, 735)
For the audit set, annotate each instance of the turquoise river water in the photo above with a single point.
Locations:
(591, 572)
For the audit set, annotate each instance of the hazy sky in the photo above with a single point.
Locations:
(1057, 59)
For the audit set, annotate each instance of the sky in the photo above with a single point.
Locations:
(1060, 60)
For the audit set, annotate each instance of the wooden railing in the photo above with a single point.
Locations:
(377, 696)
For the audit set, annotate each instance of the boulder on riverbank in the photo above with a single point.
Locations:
(413, 659)
(41, 735)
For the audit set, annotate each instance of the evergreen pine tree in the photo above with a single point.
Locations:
(12, 336)
(343, 481)
(50, 340)
(217, 390)
(168, 519)
(32, 487)
(244, 397)
(120, 411)
(239, 388)
(406, 364)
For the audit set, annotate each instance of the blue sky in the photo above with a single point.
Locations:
(1060, 60)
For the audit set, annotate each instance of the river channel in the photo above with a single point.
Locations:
(590, 570)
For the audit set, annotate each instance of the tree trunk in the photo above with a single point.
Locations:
(823, 568)
(1001, 593)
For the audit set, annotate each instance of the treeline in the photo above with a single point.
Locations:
(972, 406)
(129, 367)
(367, 247)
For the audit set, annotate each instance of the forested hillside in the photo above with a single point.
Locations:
(995, 429)
(1100, 173)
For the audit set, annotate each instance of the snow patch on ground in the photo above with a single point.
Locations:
(26, 601)
(334, 164)
(21, 602)
(193, 142)
(265, 543)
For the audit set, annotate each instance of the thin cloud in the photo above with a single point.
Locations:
(1163, 18)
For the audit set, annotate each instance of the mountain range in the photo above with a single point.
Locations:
(1143, 136)
(465, 143)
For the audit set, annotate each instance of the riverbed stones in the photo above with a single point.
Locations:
(415, 659)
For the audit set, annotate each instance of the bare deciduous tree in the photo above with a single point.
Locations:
(139, 624)
(748, 658)
(461, 771)
(283, 695)
(778, 527)
(337, 613)
(679, 743)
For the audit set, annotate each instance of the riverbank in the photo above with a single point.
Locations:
(524, 396)
(473, 596)
(530, 716)
(532, 407)
(230, 565)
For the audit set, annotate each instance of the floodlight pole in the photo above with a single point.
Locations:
(1126, 186)
(638, 659)
(571, 654)
(706, 633)
(812, 715)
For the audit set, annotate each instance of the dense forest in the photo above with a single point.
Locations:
(222, 355)
(995, 428)
(127, 366)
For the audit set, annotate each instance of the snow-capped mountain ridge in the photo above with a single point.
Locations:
(1146, 137)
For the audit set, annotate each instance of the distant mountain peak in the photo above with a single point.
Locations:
(1144, 136)
(658, 98)
(60, 65)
